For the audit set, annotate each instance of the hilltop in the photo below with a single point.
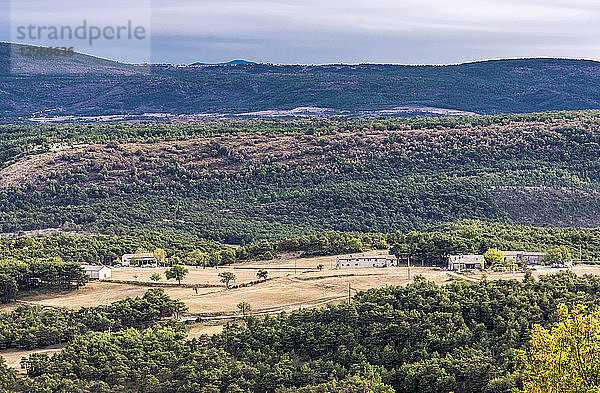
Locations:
(232, 62)
(94, 86)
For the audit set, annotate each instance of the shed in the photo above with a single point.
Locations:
(97, 272)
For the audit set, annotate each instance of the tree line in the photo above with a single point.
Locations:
(44, 273)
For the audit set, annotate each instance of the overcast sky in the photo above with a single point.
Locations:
(332, 31)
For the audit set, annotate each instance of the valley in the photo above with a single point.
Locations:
(250, 215)
(383, 197)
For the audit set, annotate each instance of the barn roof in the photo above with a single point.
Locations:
(93, 268)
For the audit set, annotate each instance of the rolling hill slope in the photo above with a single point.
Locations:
(98, 87)
(243, 180)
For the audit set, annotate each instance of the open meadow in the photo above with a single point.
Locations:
(292, 283)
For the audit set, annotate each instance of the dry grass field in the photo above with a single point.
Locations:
(199, 276)
(286, 289)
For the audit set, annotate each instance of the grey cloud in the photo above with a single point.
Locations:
(320, 31)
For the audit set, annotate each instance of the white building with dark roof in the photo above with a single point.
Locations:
(525, 257)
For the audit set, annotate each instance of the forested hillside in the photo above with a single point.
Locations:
(84, 85)
(462, 337)
(240, 181)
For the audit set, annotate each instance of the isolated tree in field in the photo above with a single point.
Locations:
(262, 274)
(559, 255)
(320, 266)
(155, 277)
(245, 308)
(566, 358)
(227, 278)
(160, 255)
(493, 257)
(178, 272)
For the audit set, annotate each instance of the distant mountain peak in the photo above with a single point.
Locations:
(232, 62)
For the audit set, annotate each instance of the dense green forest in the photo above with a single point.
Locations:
(96, 86)
(430, 247)
(36, 327)
(44, 273)
(461, 337)
(103, 249)
(242, 181)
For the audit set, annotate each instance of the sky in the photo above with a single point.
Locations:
(323, 31)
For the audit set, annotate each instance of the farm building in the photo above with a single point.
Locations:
(140, 259)
(97, 272)
(459, 262)
(359, 262)
(528, 258)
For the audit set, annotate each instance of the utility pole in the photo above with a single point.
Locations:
(295, 266)
(349, 299)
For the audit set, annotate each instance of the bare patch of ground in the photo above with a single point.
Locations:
(92, 294)
(13, 357)
(198, 330)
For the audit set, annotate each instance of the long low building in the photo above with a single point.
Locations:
(528, 258)
(366, 261)
(140, 259)
(459, 262)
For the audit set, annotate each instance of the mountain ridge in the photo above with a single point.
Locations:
(228, 63)
(89, 86)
